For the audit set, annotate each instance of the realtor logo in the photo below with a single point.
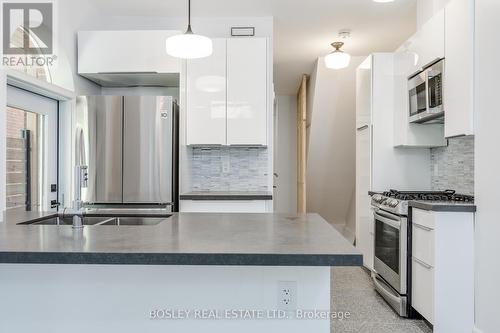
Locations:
(27, 28)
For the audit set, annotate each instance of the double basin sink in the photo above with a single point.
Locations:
(98, 221)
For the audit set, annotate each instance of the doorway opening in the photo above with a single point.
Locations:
(24, 135)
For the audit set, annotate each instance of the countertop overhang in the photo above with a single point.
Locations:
(182, 239)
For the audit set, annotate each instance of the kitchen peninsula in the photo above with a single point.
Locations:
(187, 261)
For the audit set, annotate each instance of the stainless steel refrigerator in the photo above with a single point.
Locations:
(133, 150)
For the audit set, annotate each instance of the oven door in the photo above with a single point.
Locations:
(390, 249)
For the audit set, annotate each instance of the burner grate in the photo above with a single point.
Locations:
(448, 195)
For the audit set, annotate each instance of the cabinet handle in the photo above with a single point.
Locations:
(423, 227)
(362, 128)
(418, 261)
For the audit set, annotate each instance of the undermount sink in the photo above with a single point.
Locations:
(133, 221)
(90, 220)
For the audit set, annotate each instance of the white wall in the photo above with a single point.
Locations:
(332, 144)
(487, 160)
(285, 154)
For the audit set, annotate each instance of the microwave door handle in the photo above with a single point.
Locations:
(427, 89)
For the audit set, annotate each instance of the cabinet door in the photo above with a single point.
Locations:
(458, 78)
(247, 91)
(206, 97)
(223, 206)
(364, 92)
(423, 289)
(364, 217)
(427, 44)
(125, 52)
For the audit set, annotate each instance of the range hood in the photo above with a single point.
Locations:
(134, 79)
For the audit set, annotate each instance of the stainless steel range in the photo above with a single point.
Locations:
(392, 262)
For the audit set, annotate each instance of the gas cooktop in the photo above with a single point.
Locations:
(397, 201)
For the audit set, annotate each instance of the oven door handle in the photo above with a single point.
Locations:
(385, 288)
(393, 223)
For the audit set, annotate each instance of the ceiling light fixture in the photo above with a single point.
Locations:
(338, 59)
(383, 0)
(189, 45)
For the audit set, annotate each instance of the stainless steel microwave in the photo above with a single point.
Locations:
(425, 91)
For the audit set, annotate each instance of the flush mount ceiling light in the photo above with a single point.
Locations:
(189, 45)
(383, 0)
(338, 59)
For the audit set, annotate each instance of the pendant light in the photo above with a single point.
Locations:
(338, 59)
(189, 45)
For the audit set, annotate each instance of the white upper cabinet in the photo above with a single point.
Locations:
(364, 93)
(227, 94)
(137, 51)
(427, 44)
(206, 97)
(459, 66)
(247, 91)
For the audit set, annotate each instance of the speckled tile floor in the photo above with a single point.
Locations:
(353, 292)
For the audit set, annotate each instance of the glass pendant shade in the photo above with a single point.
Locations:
(189, 45)
(337, 59)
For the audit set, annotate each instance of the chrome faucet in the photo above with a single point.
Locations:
(81, 178)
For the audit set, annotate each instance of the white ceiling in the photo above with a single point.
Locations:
(303, 28)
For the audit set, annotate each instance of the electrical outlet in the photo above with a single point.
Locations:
(287, 295)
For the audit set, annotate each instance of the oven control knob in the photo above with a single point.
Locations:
(393, 203)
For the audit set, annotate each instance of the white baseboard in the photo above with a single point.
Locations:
(476, 330)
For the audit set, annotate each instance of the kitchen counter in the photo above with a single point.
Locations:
(443, 206)
(182, 239)
(227, 195)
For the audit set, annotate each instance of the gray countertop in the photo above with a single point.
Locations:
(182, 239)
(227, 195)
(443, 206)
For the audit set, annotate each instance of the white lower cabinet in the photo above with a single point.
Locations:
(443, 269)
(423, 289)
(225, 206)
(422, 264)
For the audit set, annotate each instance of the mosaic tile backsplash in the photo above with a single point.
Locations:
(455, 166)
(229, 169)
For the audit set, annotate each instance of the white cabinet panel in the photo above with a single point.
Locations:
(423, 243)
(443, 265)
(364, 93)
(223, 206)
(459, 78)
(247, 91)
(206, 97)
(427, 44)
(125, 51)
(364, 217)
(423, 289)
